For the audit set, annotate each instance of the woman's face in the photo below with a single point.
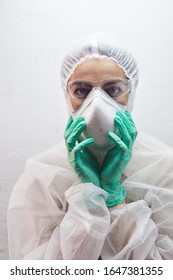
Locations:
(97, 69)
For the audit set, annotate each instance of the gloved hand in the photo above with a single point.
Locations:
(84, 163)
(117, 158)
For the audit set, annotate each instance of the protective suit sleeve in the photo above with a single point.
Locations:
(43, 225)
(86, 207)
(134, 230)
(141, 232)
(144, 226)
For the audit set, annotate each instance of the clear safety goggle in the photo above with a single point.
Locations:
(114, 87)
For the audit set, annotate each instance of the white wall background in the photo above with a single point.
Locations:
(34, 36)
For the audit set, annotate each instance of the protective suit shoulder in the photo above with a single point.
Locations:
(148, 158)
(48, 171)
(55, 156)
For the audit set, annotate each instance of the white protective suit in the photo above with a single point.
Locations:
(50, 214)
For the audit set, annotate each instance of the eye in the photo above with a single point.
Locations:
(113, 90)
(81, 92)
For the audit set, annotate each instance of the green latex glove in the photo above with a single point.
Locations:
(83, 162)
(117, 158)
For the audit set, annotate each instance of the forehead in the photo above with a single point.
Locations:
(97, 69)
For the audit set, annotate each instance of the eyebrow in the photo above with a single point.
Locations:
(88, 84)
(112, 82)
(81, 83)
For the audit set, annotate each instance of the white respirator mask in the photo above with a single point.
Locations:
(99, 110)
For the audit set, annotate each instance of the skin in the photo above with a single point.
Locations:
(97, 69)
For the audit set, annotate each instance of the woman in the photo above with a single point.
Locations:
(110, 196)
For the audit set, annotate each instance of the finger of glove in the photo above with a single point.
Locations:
(126, 137)
(112, 158)
(82, 145)
(133, 130)
(119, 151)
(71, 125)
(119, 143)
(74, 134)
(129, 123)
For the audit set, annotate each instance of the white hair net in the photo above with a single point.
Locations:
(101, 45)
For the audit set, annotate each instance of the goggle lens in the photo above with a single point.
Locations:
(114, 88)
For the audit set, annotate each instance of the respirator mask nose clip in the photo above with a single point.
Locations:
(99, 94)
